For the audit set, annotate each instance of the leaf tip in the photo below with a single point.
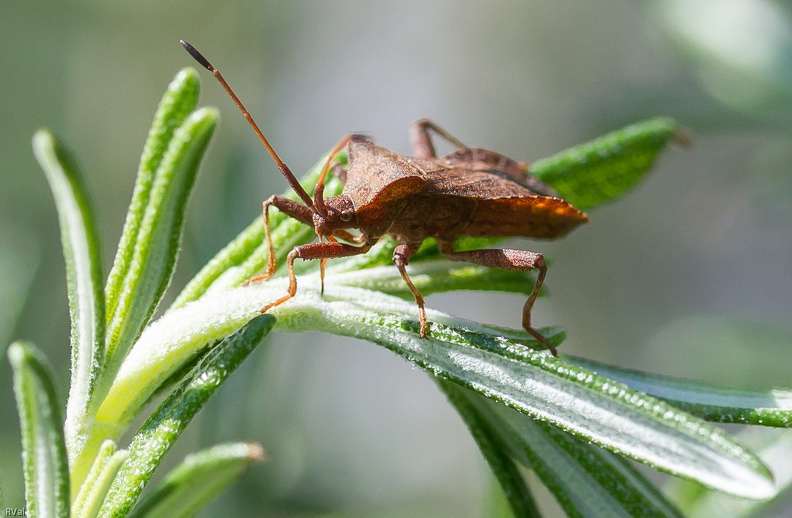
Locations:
(187, 76)
(255, 452)
(43, 142)
(16, 353)
(208, 114)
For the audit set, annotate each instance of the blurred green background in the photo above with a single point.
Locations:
(689, 275)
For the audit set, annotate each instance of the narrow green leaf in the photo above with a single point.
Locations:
(587, 480)
(198, 480)
(84, 276)
(94, 489)
(432, 276)
(497, 363)
(162, 350)
(777, 449)
(179, 100)
(155, 438)
(44, 458)
(771, 407)
(489, 441)
(605, 168)
(159, 236)
(247, 244)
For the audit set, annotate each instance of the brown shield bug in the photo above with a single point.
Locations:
(470, 192)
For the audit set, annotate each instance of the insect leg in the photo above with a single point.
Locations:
(343, 234)
(401, 256)
(422, 141)
(339, 171)
(322, 263)
(319, 189)
(507, 259)
(289, 207)
(328, 250)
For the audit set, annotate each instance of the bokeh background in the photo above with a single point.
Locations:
(689, 275)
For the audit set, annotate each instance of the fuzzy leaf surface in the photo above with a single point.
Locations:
(45, 464)
(84, 277)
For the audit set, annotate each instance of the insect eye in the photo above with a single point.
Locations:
(345, 216)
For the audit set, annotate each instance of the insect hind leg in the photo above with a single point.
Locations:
(508, 259)
(421, 139)
(401, 256)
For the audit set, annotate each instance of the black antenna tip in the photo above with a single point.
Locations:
(197, 56)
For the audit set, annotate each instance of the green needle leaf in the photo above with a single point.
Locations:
(432, 276)
(777, 449)
(178, 101)
(772, 407)
(198, 480)
(607, 167)
(97, 483)
(84, 279)
(587, 480)
(491, 444)
(160, 431)
(159, 236)
(44, 459)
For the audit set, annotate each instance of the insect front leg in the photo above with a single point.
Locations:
(507, 259)
(421, 140)
(289, 207)
(324, 250)
(401, 257)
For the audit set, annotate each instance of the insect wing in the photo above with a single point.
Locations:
(503, 207)
(486, 161)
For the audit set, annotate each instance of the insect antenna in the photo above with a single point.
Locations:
(284, 169)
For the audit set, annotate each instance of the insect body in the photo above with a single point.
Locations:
(471, 192)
